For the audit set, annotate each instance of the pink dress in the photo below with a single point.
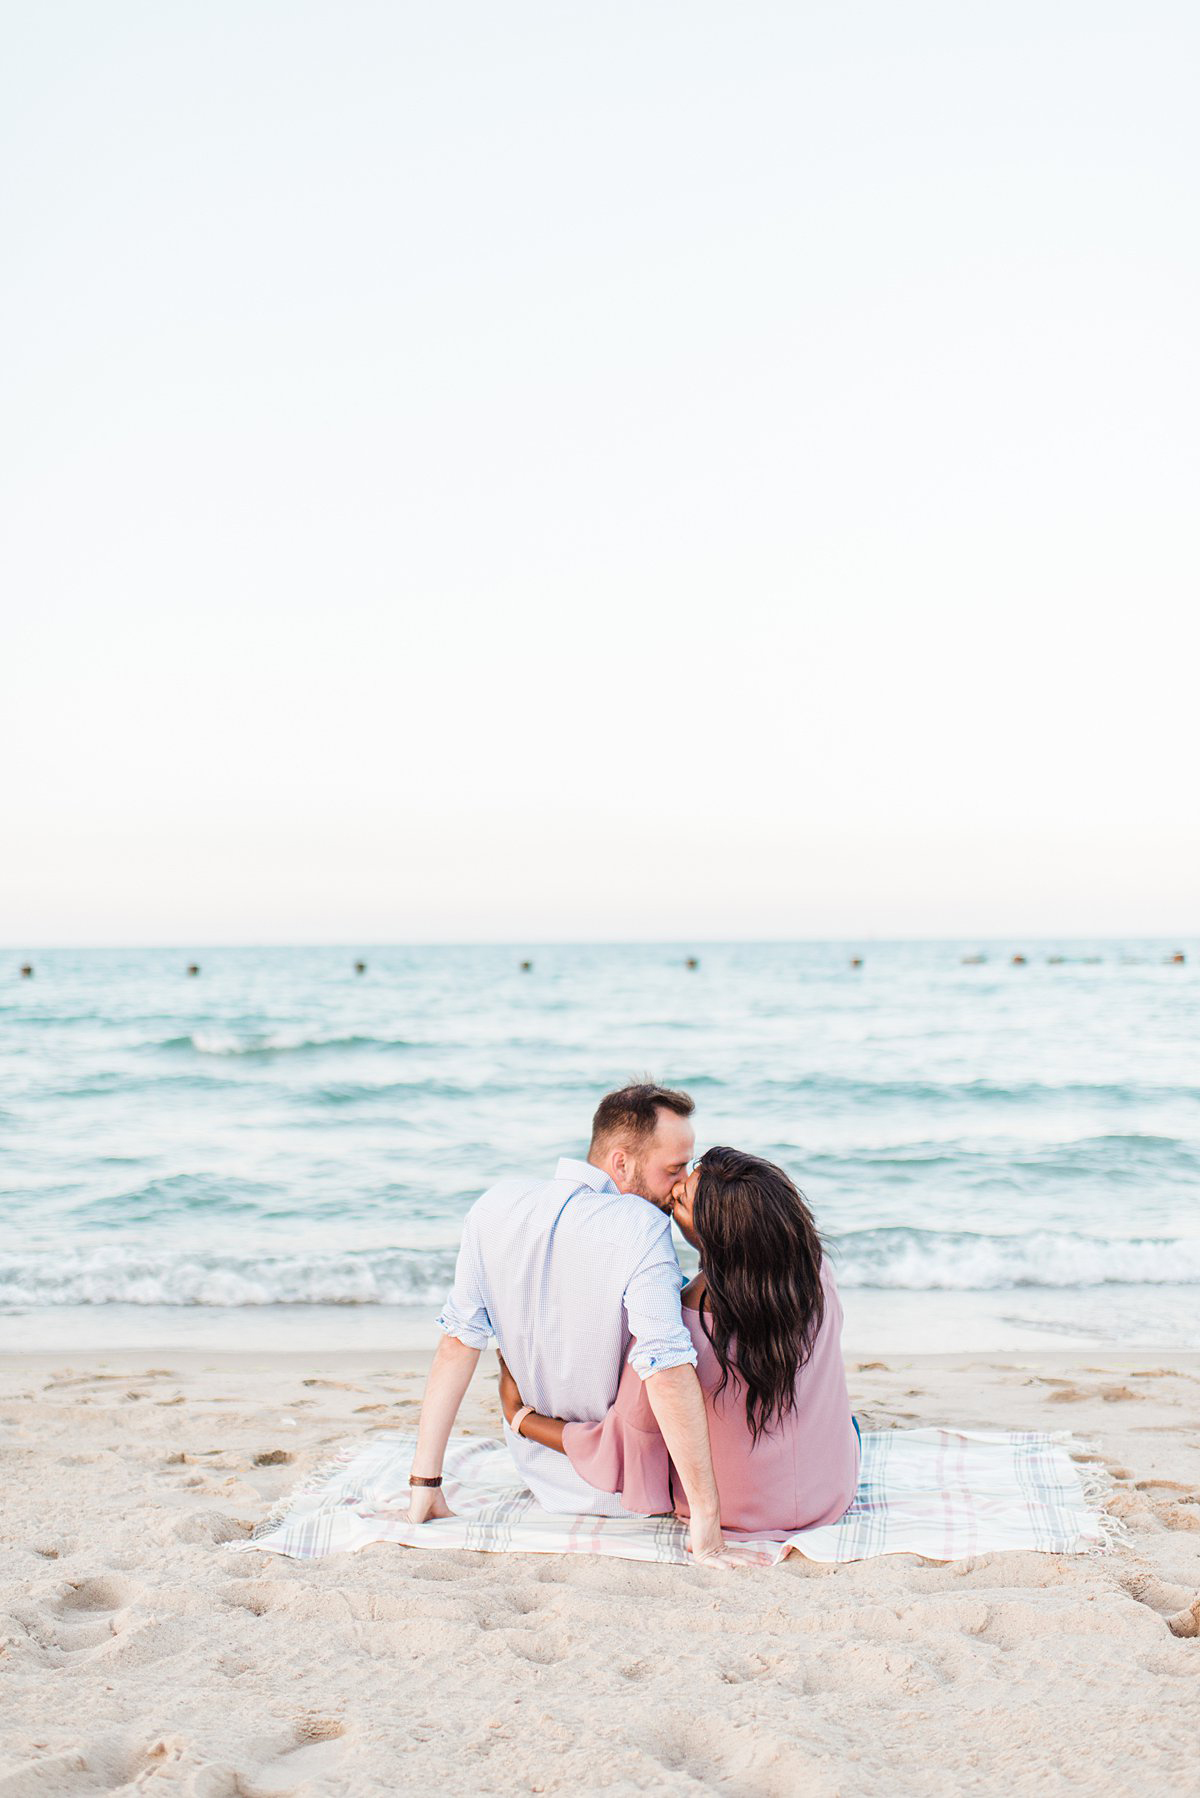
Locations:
(803, 1473)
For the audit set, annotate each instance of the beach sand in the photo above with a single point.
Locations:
(137, 1655)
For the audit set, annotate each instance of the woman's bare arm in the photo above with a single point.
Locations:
(534, 1427)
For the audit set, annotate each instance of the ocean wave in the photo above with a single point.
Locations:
(172, 1195)
(345, 1093)
(124, 1275)
(897, 1259)
(1123, 1159)
(963, 1261)
(844, 1087)
(276, 1042)
(117, 1084)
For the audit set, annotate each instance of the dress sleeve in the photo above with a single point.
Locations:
(624, 1452)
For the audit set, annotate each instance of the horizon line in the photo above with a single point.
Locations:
(682, 942)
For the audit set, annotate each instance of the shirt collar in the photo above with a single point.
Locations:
(584, 1174)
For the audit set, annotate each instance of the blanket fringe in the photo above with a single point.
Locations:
(1098, 1488)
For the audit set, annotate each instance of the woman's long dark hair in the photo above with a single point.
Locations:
(761, 1256)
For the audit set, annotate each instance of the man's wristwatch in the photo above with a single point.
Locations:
(414, 1479)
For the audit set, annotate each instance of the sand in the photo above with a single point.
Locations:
(137, 1655)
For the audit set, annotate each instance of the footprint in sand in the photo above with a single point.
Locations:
(257, 1596)
(90, 1615)
(314, 1751)
(60, 1384)
(442, 1570)
(112, 1765)
(53, 1551)
(213, 1527)
(1141, 1510)
(1178, 1608)
(543, 1650)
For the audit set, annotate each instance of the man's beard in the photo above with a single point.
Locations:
(635, 1182)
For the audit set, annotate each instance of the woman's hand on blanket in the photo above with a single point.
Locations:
(425, 1504)
(510, 1396)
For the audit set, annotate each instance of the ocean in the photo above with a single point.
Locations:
(278, 1150)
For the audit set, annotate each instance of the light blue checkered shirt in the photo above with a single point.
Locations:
(572, 1278)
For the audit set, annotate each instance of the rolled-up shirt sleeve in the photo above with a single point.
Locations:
(465, 1313)
(660, 1336)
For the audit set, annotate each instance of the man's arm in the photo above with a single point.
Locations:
(465, 1327)
(449, 1377)
(678, 1406)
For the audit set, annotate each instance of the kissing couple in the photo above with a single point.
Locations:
(626, 1392)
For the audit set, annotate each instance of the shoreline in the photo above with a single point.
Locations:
(1152, 1320)
(137, 1650)
(415, 1360)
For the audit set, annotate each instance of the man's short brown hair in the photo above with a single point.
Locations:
(632, 1113)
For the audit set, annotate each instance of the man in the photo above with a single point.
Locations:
(566, 1274)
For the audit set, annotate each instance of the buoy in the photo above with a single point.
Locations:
(27, 971)
(193, 967)
(691, 962)
(856, 961)
(1018, 961)
(1177, 959)
(526, 967)
(360, 967)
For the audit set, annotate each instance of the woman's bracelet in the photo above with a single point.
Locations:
(519, 1419)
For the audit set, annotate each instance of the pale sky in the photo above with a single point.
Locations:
(526, 471)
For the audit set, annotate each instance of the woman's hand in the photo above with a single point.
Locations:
(510, 1396)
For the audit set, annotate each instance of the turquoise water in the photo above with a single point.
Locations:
(281, 1132)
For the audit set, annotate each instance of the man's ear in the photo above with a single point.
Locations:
(618, 1167)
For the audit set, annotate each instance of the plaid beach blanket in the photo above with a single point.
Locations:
(942, 1494)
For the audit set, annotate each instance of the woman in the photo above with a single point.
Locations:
(766, 1320)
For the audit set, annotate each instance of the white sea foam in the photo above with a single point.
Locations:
(274, 1042)
(125, 1275)
(947, 1261)
(903, 1260)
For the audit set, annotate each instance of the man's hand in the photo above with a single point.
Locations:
(425, 1504)
(449, 1377)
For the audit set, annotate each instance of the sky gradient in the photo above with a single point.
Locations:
(542, 472)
